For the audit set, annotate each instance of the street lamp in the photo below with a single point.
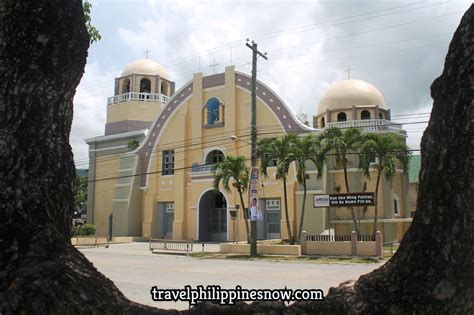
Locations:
(236, 138)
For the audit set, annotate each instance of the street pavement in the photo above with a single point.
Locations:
(134, 270)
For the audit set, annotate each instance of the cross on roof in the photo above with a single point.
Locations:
(348, 70)
(146, 52)
(213, 66)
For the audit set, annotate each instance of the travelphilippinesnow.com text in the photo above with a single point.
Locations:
(230, 296)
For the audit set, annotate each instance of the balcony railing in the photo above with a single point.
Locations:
(134, 96)
(202, 168)
(368, 124)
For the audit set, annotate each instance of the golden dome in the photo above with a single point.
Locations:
(145, 66)
(348, 93)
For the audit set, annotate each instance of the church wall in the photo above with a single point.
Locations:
(314, 218)
(186, 134)
(106, 167)
(184, 187)
(133, 110)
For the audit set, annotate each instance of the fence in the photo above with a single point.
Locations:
(173, 245)
(94, 241)
(347, 245)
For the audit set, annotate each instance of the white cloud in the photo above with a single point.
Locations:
(90, 105)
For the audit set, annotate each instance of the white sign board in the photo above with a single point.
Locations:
(320, 201)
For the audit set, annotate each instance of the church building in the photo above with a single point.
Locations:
(151, 173)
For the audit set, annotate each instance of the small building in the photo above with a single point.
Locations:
(151, 173)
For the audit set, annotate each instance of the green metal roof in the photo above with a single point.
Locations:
(414, 168)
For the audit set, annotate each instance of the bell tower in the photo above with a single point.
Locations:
(140, 93)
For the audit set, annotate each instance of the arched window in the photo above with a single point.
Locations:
(212, 110)
(341, 117)
(323, 122)
(164, 88)
(380, 115)
(145, 86)
(214, 156)
(365, 114)
(126, 86)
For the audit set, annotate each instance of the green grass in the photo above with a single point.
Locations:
(387, 247)
(305, 259)
(387, 254)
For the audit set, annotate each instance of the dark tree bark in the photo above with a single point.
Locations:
(43, 53)
(42, 56)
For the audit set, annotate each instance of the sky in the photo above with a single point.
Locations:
(398, 46)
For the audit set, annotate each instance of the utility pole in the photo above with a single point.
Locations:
(255, 52)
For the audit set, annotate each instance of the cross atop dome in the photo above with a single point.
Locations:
(146, 52)
(348, 70)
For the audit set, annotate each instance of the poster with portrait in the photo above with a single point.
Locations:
(255, 213)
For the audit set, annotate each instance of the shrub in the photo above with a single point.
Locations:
(89, 229)
(76, 231)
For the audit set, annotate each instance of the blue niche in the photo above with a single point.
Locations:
(212, 107)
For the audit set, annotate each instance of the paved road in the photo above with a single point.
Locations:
(135, 270)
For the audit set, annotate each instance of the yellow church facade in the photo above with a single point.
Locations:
(151, 173)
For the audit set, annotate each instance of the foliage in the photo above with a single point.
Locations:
(89, 229)
(86, 230)
(93, 32)
(76, 231)
(132, 144)
(80, 191)
(234, 168)
(387, 150)
(281, 150)
(307, 149)
(341, 143)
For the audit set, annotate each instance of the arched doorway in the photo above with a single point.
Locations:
(212, 217)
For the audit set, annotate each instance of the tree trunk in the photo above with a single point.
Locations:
(288, 225)
(376, 208)
(43, 52)
(302, 211)
(354, 219)
(247, 230)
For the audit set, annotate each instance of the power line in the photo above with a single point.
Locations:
(237, 42)
(190, 167)
(266, 132)
(269, 128)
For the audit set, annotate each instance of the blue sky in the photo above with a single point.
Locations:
(398, 46)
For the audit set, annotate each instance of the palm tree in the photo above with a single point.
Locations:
(307, 149)
(234, 167)
(341, 144)
(280, 150)
(386, 150)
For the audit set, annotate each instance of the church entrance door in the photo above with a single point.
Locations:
(213, 217)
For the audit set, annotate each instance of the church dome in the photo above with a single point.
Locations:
(348, 93)
(145, 66)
